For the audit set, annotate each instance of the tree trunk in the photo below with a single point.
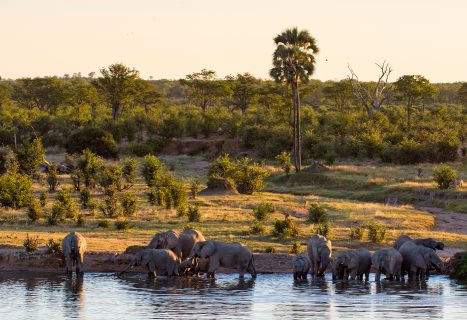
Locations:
(409, 106)
(296, 131)
(115, 111)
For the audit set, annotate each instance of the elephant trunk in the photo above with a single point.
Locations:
(129, 267)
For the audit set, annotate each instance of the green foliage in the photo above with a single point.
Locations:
(285, 228)
(129, 205)
(31, 244)
(52, 178)
(123, 225)
(325, 229)
(182, 211)
(110, 206)
(285, 161)
(90, 165)
(296, 248)
(357, 232)
(376, 231)
(262, 211)
(221, 167)
(7, 158)
(54, 247)
(85, 198)
(257, 228)
(317, 213)
(103, 224)
(130, 167)
(270, 250)
(80, 221)
(30, 155)
(96, 140)
(193, 214)
(111, 176)
(195, 188)
(77, 177)
(15, 189)
(43, 197)
(152, 170)
(444, 175)
(34, 210)
(65, 206)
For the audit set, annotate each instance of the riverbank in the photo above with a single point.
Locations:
(12, 259)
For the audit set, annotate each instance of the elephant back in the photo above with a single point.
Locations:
(401, 240)
(165, 240)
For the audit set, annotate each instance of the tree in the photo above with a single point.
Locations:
(46, 94)
(118, 85)
(203, 88)
(411, 89)
(462, 94)
(244, 91)
(30, 155)
(294, 62)
(371, 95)
(340, 92)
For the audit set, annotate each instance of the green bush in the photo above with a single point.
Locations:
(31, 244)
(257, 228)
(324, 229)
(152, 170)
(285, 161)
(221, 167)
(249, 177)
(376, 231)
(443, 175)
(80, 221)
(97, 140)
(54, 247)
(30, 155)
(66, 205)
(357, 232)
(128, 205)
(110, 206)
(34, 210)
(193, 214)
(15, 190)
(285, 228)
(111, 176)
(7, 159)
(262, 211)
(195, 188)
(85, 198)
(317, 214)
(182, 211)
(123, 225)
(156, 196)
(103, 224)
(77, 177)
(52, 178)
(130, 168)
(90, 165)
(296, 248)
(44, 196)
(270, 250)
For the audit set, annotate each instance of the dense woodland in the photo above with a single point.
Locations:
(119, 113)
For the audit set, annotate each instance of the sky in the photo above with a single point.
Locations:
(167, 39)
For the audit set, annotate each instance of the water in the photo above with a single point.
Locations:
(104, 296)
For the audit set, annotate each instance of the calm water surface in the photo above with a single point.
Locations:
(104, 296)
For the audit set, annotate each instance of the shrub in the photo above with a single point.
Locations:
(249, 177)
(77, 177)
(54, 247)
(324, 229)
(139, 149)
(30, 155)
(66, 205)
(15, 190)
(193, 214)
(34, 210)
(44, 196)
(459, 266)
(152, 170)
(90, 165)
(7, 159)
(285, 161)
(110, 206)
(317, 214)
(128, 205)
(376, 231)
(123, 225)
(156, 196)
(270, 250)
(31, 244)
(182, 211)
(52, 178)
(356, 232)
(257, 228)
(130, 168)
(111, 176)
(195, 188)
(296, 248)
(103, 224)
(285, 228)
(80, 222)
(443, 175)
(97, 140)
(177, 193)
(221, 167)
(85, 198)
(54, 217)
(262, 211)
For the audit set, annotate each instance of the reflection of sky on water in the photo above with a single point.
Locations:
(103, 296)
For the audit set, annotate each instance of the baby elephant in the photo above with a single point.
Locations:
(387, 261)
(301, 266)
(193, 266)
(155, 259)
(356, 263)
(74, 246)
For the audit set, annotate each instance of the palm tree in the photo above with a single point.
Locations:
(294, 62)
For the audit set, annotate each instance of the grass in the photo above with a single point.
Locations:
(229, 218)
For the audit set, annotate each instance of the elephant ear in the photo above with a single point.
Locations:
(422, 260)
(208, 249)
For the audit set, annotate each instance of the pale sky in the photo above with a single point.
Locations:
(171, 38)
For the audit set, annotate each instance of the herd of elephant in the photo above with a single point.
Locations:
(189, 253)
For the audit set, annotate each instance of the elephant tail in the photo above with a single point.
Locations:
(251, 266)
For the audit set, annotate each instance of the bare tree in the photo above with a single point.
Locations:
(371, 96)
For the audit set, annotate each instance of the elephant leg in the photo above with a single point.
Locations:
(69, 265)
(367, 275)
(79, 264)
(295, 276)
(377, 275)
(427, 273)
(422, 274)
(353, 274)
(152, 270)
(214, 264)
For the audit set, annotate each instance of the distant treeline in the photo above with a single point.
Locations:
(126, 114)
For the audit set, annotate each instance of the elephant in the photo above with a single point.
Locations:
(74, 246)
(418, 260)
(354, 263)
(387, 261)
(180, 243)
(319, 252)
(301, 266)
(426, 242)
(227, 255)
(339, 272)
(153, 260)
(194, 266)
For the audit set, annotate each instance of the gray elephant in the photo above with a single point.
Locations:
(74, 246)
(354, 263)
(319, 252)
(155, 260)
(180, 243)
(301, 266)
(418, 260)
(426, 242)
(227, 255)
(194, 266)
(387, 261)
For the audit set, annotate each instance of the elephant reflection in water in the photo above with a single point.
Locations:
(73, 301)
(355, 288)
